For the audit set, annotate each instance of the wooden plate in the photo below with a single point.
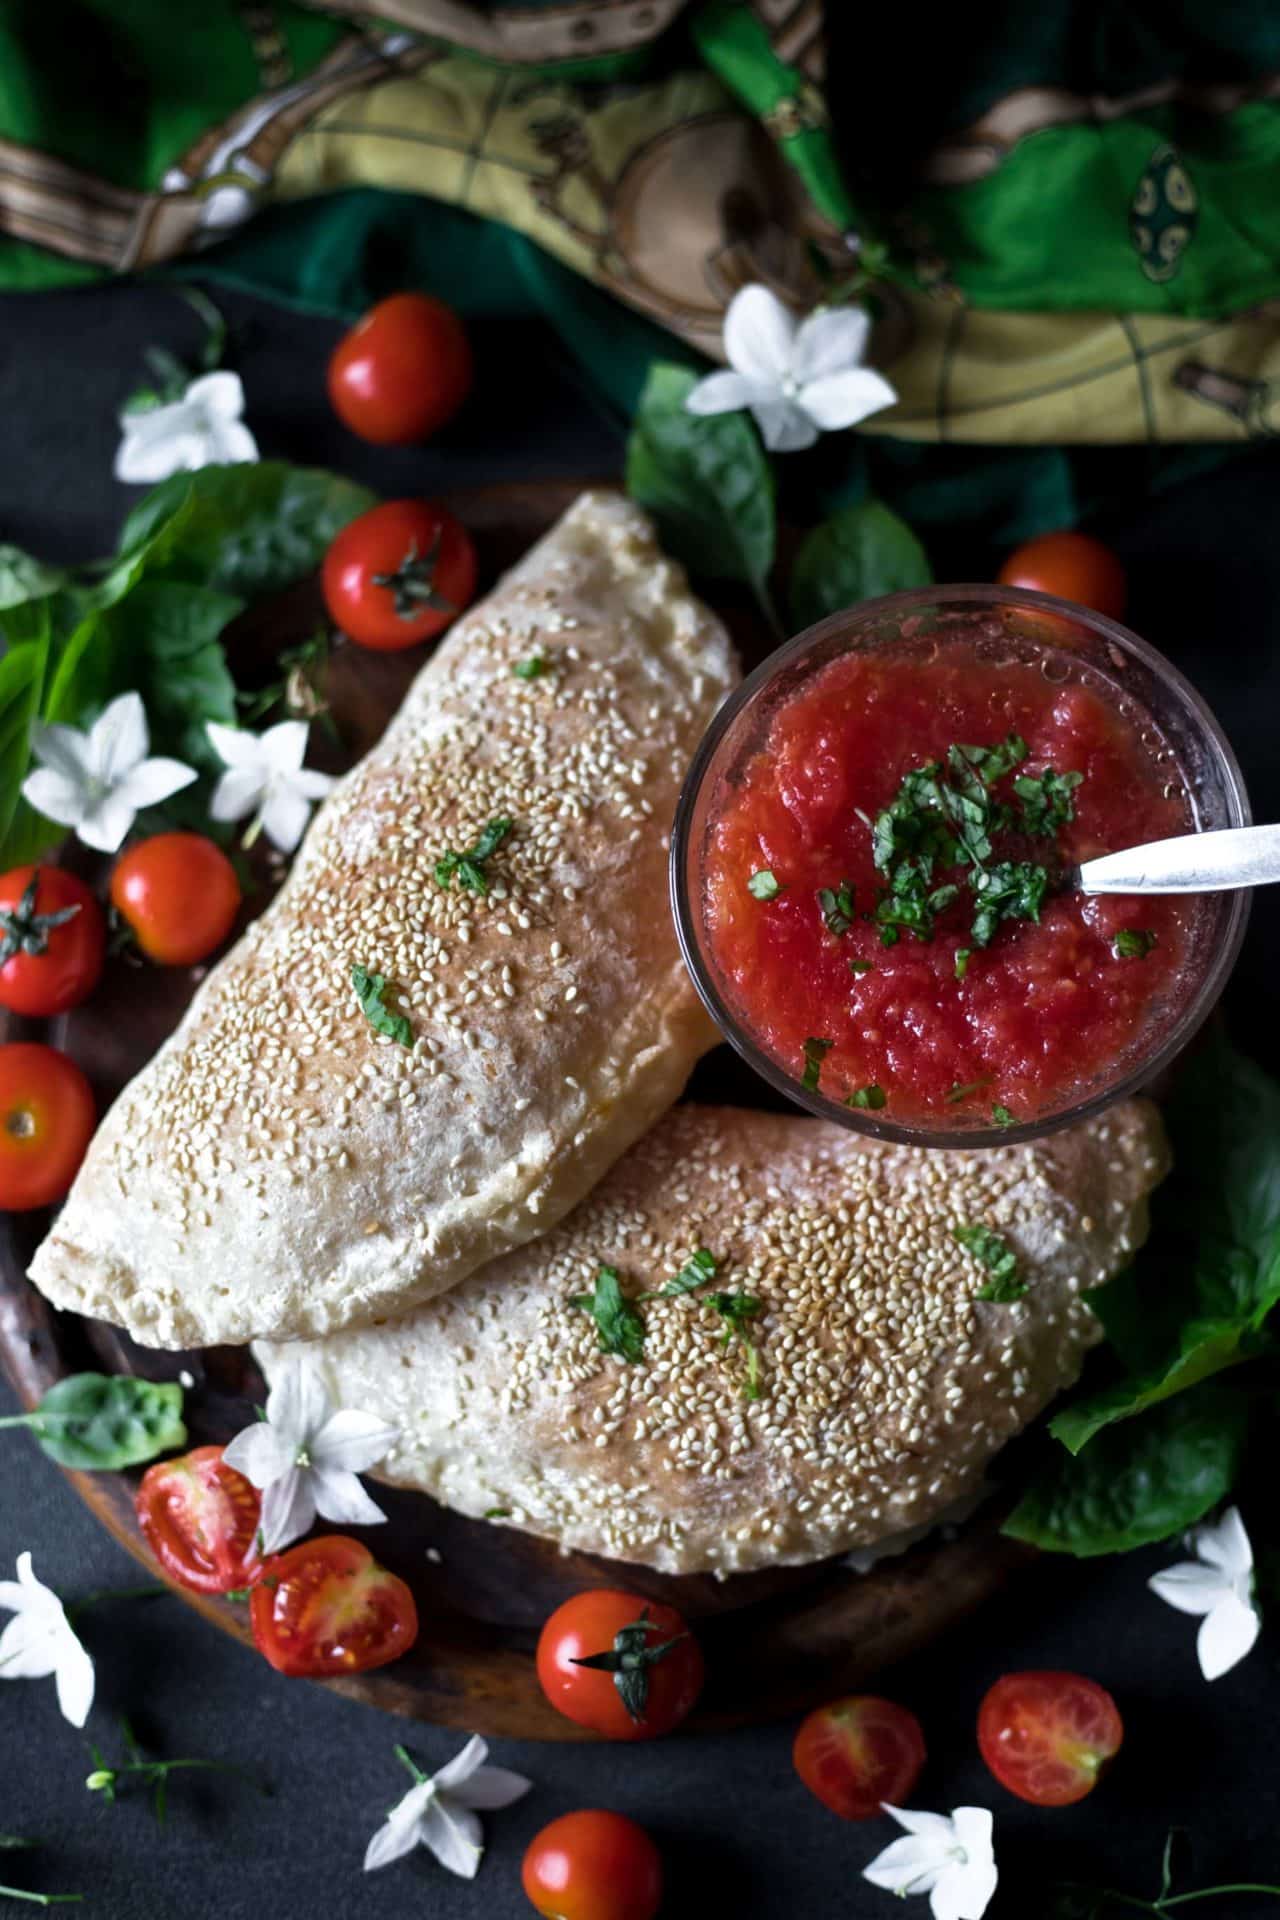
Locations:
(800, 1634)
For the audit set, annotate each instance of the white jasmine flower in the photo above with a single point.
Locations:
(799, 378)
(949, 1858)
(202, 429)
(265, 777)
(304, 1457)
(39, 1640)
(98, 781)
(438, 1812)
(1218, 1583)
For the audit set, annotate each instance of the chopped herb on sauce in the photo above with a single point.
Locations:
(959, 1093)
(836, 904)
(872, 1096)
(1132, 943)
(1002, 1116)
(861, 966)
(815, 1051)
(963, 957)
(765, 885)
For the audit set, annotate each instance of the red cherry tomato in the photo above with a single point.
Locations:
(1048, 1736)
(1074, 566)
(593, 1866)
(179, 894)
(402, 371)
(52, 939)
(398, 574)
(200, 1518)
(46, 1122)
(328, 1607)
(859, 1752)
(658, 1662)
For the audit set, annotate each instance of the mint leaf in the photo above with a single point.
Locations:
(860, 552)
(999, 1258)
(707, 483)
(619, 1325)
(370, 992)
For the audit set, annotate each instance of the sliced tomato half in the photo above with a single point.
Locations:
(200, 1518)
(327, 1607)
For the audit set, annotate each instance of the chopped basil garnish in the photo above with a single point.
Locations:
(619, 1326)
(470, 866)
(497, 1513)
(815, 1051)
(370, 991)
(872, 1096)
(696, 1271)
(861, 966)
(998, 1257)
(738, 1310)
(963, 957)
(836, 904)
(1011, 890)
(959, 1093)
(764, 884)
(1002, 1116)
(1045, 801)
(531, 669)
(1132, 943)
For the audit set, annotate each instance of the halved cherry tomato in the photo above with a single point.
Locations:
(1074, 566)
(200, 1518)
(859, 1752)
(402, 371)
(593, 1866)
(326, 1606)
(398, 574)
(179, 894)
(1048, 1736)
(46, 1121)
(626, 1667)
(52, 939)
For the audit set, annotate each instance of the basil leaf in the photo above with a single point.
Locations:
(815, 1052)
(22, 674)
(696, 1271)
(1138, 1483)
(706, 481)
(862, 551)
(23, 577)
(250, 528)
(1202, 1292)
(98, 1422)
(370, 990)
(764, 885)
(619, 1325)
(872, 1097)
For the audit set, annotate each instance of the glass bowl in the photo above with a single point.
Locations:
(1067, 642)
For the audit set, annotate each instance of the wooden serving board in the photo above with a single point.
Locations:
(802, 1634)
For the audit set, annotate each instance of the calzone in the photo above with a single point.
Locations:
(310, 1150)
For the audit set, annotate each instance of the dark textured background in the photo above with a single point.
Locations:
(736, 1829)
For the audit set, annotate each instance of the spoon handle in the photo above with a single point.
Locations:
(1190, 863)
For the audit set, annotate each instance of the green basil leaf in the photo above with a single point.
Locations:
(23, 833)
(619, 1324)
(251, 528)
(23, 577)
(370, 992)
(862, 551)
(706, 481)
(1140, 1482)
(99, 1422)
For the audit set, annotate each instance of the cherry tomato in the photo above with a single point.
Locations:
(859, 1752)
(200, 1518)
(46, 1121)
(328, 1607)
(402, 371)
(1074, 566)
(52, 939)
(179, 894)
(1048, 1736)
(593, 1866)
(654, 1670)
(398, 574)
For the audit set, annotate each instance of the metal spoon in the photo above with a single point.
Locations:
(1190, 863)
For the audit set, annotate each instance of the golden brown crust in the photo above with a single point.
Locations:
(886, 1385)
(279, 1169)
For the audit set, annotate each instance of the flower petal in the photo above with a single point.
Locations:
(398, 1834)
(220, 393)
(284, 746)
(105, 825)
(28, 1651)
(929, 1826)
(842, 399)
(284, 815)
(965, 1890)
(910, 1865)
(353, 1441)
(261, 1453)
(65, 749)
(454, 1835)
(1225, 1545)
(758, 335)
(829, 341)
(1190, 1587)
(288, 1509)
(238, 792)
(298, 1404)
(118, 739)
(231, 444)
(723, 393)
(73, 1678)
(1226, 1635)
(492, 1787)
(153, 446)
(339, 1496)
(234, 746)
(55, 796)
(312, 784)
(467, 1761)
(784, 426)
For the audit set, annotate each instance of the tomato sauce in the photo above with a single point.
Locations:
(1044, 1014)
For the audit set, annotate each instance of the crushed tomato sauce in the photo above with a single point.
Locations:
(1043, 1013)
